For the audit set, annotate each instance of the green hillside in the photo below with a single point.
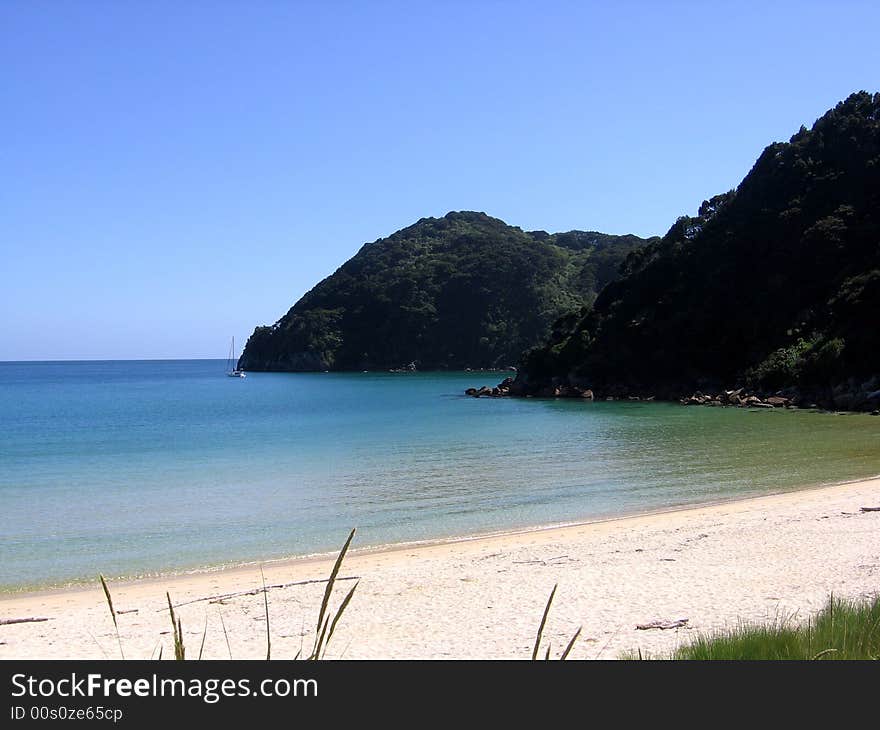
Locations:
(773, 285)
(464, 290)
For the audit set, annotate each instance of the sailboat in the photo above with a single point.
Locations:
(232, 364)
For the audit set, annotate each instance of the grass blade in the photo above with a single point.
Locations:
(171, 611)
(266, 603)
(342, 607)
(329, 590)
(223, 624)
(177, 629)
(112, 614)
(97, 643)
(204, 636)
(823, 653)
(543, 623)
(571, 644)
(317, 654)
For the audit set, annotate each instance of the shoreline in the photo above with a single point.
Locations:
(751, 559)
(162, 576)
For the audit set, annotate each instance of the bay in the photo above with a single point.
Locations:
(135, 468)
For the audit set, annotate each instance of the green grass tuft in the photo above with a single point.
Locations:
(841, 630)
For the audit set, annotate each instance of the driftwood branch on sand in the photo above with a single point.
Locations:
(256, 591)
(676, 624)
(870, 509)
(26, 620)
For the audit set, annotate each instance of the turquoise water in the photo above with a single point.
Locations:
(134, 468)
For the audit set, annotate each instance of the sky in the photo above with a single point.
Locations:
(175, 174)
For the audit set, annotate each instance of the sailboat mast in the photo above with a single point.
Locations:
(232, 364)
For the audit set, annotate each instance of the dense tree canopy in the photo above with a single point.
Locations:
(464, 290)
(776, 283)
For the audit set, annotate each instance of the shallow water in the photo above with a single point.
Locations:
(132, 468)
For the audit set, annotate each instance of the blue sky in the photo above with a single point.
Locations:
(176, 173)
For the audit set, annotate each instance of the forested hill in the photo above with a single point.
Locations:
(464, 290)
(773, 285)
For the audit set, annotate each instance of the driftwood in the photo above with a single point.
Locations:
(677, 624)
(490, 555)
(28, 620)
(127, 610)
(548, 561)
(256, 591)
(870, 509)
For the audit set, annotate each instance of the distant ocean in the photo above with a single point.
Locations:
(135, 468)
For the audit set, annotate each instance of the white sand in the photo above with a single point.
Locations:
(751, 560)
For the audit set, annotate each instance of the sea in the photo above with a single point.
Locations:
(144, 468)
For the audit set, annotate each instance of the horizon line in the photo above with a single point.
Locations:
(114, 359)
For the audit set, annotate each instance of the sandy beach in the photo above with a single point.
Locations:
(753, 560)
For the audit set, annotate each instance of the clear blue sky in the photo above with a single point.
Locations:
(176, 173)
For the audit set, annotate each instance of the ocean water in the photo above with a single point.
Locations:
(138, 468)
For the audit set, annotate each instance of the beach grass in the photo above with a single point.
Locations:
(841, 630)
(540, 633)
(177, 631)
(112, 613)
(268, 628)
(327, 619)
(322, 637)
